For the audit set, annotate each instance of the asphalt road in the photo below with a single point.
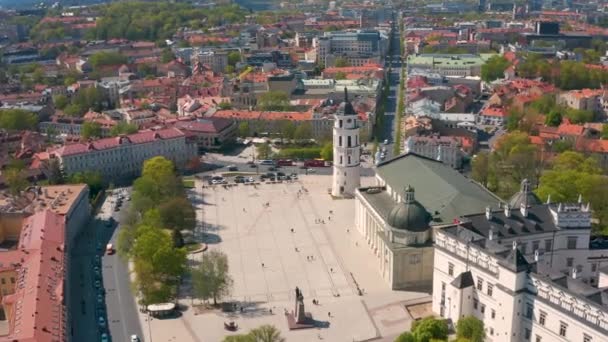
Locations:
(122, 313)
(81, 289)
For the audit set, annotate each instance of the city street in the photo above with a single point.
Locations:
(120, 302)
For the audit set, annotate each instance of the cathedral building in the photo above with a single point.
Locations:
(413, 195)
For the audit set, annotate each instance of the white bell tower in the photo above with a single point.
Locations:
(346, 150)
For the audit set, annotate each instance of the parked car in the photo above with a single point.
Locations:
(101, 321)
(232, 168)
(109, 249)
(134, 338)
(105, 338)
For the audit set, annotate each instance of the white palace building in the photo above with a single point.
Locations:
(530, 270)
(530, 273)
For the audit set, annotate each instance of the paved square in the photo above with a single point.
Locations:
(275, 240)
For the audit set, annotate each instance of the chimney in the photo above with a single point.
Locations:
(523, 208)
(514, 245)
(574, 275)
(488, 213)
(536, 256)
(507, 210)
(491, 234)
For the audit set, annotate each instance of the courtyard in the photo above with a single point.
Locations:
(277, 237)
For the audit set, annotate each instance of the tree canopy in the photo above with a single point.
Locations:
(274, 100)
(572, 174)
(155, 21)
(426, 330)
(122, 127)
(470, 328)
(17, 119)
(513, 160)
(90, 130)
(211, 279)
(158, 211)
(494, 68)
(106, 58)
(264, 333)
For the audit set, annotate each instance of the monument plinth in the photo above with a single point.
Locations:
(299, 318)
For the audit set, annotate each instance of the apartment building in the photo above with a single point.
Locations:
(358, 47)
(216, 60)
(123, 156)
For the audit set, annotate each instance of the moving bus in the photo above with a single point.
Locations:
(285, 162)
(316, 163)
(161, 310)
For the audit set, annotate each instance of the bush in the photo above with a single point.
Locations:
(303, 153)
(470, 328)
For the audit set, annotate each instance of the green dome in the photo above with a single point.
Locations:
(409, 214)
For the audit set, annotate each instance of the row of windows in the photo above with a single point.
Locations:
(3, 280)
(542, 319)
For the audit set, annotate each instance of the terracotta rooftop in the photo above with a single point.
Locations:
(210, 125)
(494, 111)
(57, 198)
(37, 313)
(109, 143)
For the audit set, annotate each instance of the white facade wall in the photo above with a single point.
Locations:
(347, 159)
(127, 159)
(520, 306)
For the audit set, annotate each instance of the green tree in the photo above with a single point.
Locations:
(481, 167)
(303, 131)
(605, 131)
(166, 56)
(554, 118)
(578, 116)
(74, 110)
(225, 105)
(60, 101)
(93, 179)
(90, 130)
(327, 152)
(405, 337)
(233, 58)
(274, 100)
(17, 119)
(430, 328)
(239, 338)
(178, 214)
(494, 68)
(263, 151)
(341, 62)
(211, 279)
(287, 129)
(122, 127)
(340, 75)
(470, 328)
(55, 173)
(267, 333)
(102, 58)
(243, 129)
(16, 179)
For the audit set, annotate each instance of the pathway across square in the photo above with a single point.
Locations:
(275, 240)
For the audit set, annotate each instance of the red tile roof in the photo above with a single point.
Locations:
(494, 111)
(109, 143)
(566, 128)
(210, 125)
(591, 145)
(257, 115)
(37, 304)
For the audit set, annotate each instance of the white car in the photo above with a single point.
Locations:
(134, 338)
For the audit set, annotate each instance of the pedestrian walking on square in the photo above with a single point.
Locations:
(262, 264)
